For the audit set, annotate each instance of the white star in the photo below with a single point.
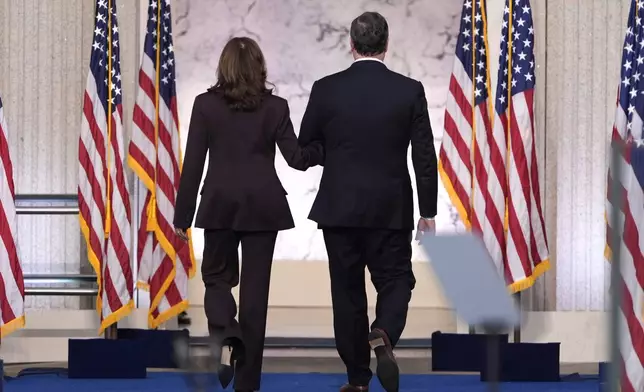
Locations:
(477, 92)
(102, 4)
(522, 56)
(479, 79)
(517, 35)
(527, 43)
(97, 46)
(466, 32)
(636, 77)
(170, 48)
(517, 69)
(530, 30)
(504, 85)
(520, 22)
(506, 10)
(505, 24)
(481, 64)
(528, 77)
(99, 31)
(100, 18)
(502, 99)
(117, 90)
(627, 65)
(467, 19)
(514, 83)
(153, 5)
(531, 64)
(526, 9)
(626, 82)
(639, 142)
(482, 51)
(631, 109)
(165, 80)
(477, 17)
(166, 15)
(629, 48)
(633, 92)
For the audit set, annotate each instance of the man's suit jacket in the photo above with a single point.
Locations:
(241, 190)
(366, 117)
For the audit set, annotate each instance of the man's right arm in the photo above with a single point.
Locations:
(312, 122)
(423, 155)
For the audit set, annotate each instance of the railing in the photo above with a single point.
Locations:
(56, 205)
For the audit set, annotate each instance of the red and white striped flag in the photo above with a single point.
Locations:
(469, 163)
(103, 196)
(490, 172)
(165, 261)
(526, 243)
(12, 284)
(628, 135)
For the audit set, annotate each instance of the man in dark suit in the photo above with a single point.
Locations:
(366, 117)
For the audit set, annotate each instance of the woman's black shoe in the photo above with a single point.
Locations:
(231, 353)
(226, 369)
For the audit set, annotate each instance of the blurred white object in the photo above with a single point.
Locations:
(470, 280)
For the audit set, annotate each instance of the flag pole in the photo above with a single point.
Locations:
(615, 370)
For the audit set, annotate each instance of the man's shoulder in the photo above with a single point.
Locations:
(331, 79)
(404, 80)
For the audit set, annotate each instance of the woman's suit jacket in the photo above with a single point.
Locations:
(241, 190)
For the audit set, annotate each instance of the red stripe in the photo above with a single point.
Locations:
(462, 148)
(521, 163)
(95, 242)
(632, 321)
(14, 263)
(626, 383)
(461, 100)
(491, 212)
(144, 123)
(5, 159)
(460, 191)
(140, 158)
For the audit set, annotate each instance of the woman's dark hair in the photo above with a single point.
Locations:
(241, 74)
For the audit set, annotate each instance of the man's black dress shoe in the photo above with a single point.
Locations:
(387, 367)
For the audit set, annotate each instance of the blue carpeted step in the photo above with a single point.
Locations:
(175, 382)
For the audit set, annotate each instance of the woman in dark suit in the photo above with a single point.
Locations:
(237, 123)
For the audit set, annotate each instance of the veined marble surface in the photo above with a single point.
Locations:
(304, 40)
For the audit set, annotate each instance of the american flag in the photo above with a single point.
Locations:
(165, 261)
(526, 243)
(103, 195)
(628, 133)
(471, 161)
(12, 285)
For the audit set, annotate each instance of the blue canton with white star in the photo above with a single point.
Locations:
(631, 91)
(523, 75)
(159, 35)
(471, 48)
(106, 42)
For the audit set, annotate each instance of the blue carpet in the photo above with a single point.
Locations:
(174, 382)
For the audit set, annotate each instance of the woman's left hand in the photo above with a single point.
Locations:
(181, 233)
